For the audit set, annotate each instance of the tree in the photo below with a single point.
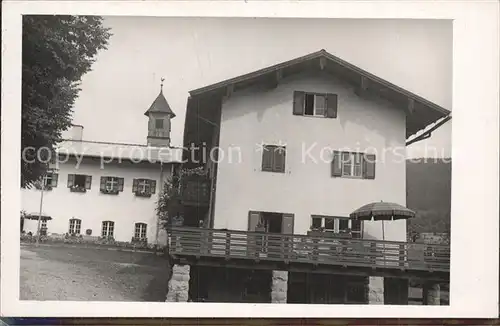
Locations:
(170, 202)
(57, 52)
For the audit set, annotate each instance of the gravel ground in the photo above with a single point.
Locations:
(88, 274)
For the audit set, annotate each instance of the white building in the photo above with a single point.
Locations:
(301, 145)
(107, 189)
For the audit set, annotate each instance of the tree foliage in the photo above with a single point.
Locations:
(429, 195)
(170, 202)
(57, 52)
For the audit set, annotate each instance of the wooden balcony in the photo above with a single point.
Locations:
(196, 191)
(239, 249)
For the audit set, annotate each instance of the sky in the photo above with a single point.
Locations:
(194, 52)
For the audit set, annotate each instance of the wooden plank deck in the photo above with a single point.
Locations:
(369, 257)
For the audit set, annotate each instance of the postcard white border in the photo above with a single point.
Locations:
(475, 223)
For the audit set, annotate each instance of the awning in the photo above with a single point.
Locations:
(35, 216)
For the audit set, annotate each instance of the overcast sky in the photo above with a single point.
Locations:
(194, 52)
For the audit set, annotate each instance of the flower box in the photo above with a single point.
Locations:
(78, 189)
(110, 191)
(106, 240)
(46, 188)
(139, 242)
(143, 194)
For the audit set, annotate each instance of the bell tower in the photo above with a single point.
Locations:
(159, 114)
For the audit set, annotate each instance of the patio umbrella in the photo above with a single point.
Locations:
(382, 211)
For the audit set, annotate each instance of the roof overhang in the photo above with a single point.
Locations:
(111, 152)
(420, 112)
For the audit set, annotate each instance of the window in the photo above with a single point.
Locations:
(159, 123)
(75, 226)
(79, 182)
(111, 185)
(315, 104)
(49, 181)
(338, 224)
(108, 228)
(353, 165)
(140, 230)
(43, 227)
(273, 158)
(144, 187)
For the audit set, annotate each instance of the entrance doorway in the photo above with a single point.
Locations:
(272, 222)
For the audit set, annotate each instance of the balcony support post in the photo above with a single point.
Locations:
(376, 290)
(431, 294)
(178, 285)
(279, 287)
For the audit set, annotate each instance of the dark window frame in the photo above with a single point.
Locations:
(77, 226)
(300, 100)
(159, 123)
(336, 220)
(275, 151)
(140, 228)
(110, 229)
(367, 165)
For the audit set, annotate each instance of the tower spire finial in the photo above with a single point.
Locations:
(161, 84)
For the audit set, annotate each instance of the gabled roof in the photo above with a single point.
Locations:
(160, 104)
(421, 112)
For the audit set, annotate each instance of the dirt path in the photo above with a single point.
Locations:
(87, 275)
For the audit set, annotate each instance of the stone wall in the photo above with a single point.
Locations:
(279, 287)
(178, 286)
(376, 290)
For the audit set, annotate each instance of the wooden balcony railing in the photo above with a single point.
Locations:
(196, 191)
(231, 244)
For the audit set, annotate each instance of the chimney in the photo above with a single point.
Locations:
(75, 132)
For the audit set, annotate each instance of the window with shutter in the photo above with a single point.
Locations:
(55, 179)
(79, 182)
(103, 184)
(111, 185)
(253, 220)
(71, 180)
(279, 156)
(88, 181)
(143, 187)
(337, 224)
(331, 105)
(134, 185)
(287, 224)
(298, 103)
(120, 184)
(337, 164)
(369, 166)
(267, 158)
(153, 186)
(273, 158)
(353, 165)
(315, 104)
(49, 181)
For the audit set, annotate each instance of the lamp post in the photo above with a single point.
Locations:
(42, 188)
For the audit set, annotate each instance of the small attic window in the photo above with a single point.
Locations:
(159, 123)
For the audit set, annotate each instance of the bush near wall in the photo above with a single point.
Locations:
(89, 240)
